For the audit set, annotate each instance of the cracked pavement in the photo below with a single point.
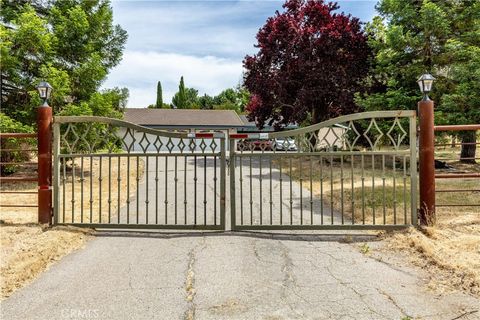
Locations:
(230, 276)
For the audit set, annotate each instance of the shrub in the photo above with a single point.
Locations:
(9, 125)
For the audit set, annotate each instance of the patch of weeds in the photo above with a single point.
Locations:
(365, 248)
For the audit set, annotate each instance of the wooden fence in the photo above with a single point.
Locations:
(22, 175)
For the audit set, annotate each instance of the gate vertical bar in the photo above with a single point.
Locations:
(176, 189)
(232, 183)
(146, 188)
(413, 169)
(137, 179)
(119, 181)
(109, 189)
(73, 189)
(56, 172)
(215, 189)
(260, 158)
(205, 190)
(222, 182)
(82, 179)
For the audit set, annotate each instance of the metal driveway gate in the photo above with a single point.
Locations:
(110, 173)
(351, 172)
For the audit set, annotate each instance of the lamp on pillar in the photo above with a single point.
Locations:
(425, 82)
(426, 151)
(44, 91)
(44, 126)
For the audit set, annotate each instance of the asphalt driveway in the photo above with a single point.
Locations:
(230, 276)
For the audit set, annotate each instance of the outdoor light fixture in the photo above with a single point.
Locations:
(44, 90)
(425, 83)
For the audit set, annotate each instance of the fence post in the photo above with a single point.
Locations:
(427, 162)
(44, 124)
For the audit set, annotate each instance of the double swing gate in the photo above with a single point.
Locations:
(351, 172)
(111, 173)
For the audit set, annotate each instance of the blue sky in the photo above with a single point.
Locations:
(205, 41)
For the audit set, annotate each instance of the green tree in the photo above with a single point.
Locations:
(179, 100)
(71, 44)
(159, 102)
(205, 102)
(410, 38)
(232, 99)
(461, 104)
(185, 98)
(229, 99)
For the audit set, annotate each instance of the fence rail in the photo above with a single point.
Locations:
(458, 175)
(456, 127)
(24, 164)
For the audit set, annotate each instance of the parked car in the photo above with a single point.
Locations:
(284, 144)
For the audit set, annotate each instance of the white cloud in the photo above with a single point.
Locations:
(140, 71)
(218, 28)
(205, 41)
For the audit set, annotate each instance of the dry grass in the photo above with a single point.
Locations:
(449, 250)
(382, 197)
(27, 248)
(97, 208)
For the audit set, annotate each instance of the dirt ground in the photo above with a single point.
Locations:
(27, 248)
(450, 251)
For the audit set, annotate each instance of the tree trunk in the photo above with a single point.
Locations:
(469, 148)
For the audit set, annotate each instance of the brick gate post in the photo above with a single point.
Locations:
(44, 124)
(427, 162)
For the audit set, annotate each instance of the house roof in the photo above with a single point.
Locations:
(183, 118)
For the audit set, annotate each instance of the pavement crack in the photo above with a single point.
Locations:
(289, 281)
(464, 314)
(390, 298)
(331, 256)
(255, 250)
(288, 278)
(190, 286)
(257, 254)
(360, 295)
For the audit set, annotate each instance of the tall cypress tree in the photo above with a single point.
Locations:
(182, 97)
(159, 103)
